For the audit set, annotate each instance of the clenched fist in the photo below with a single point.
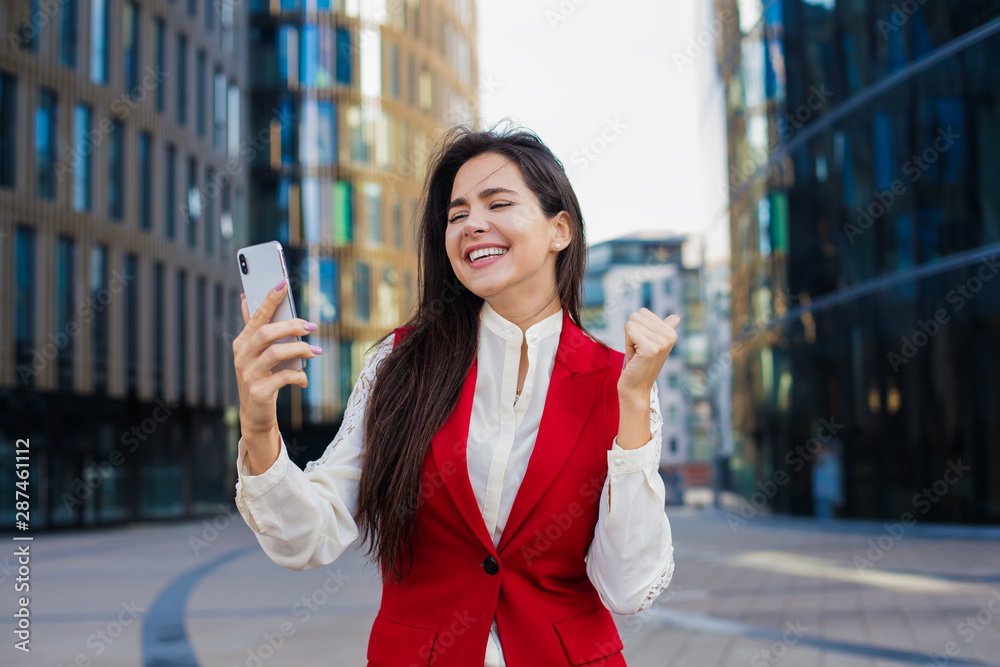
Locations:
(648, 342)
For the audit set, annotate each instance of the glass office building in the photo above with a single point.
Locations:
(122, 200)
(864, 163)
(347, 99)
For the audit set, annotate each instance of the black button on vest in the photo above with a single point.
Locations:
(491, 565)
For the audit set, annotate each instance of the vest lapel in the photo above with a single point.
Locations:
(449, 444)
(577, 377)
(574, 388)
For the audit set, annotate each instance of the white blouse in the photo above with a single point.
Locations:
(306, 518)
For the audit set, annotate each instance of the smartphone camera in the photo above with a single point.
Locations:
(243, 264)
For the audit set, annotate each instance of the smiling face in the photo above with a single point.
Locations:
(500, 243)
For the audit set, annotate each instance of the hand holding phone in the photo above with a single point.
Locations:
(268, 353)
(262, 266)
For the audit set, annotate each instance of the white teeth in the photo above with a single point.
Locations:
(485, 252)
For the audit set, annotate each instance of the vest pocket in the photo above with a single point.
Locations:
(394, 644)
(589, 636)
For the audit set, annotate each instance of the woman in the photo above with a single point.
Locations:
(500, 465)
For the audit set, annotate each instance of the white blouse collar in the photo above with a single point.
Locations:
(509, 331)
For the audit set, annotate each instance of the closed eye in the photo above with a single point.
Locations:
(494, 206)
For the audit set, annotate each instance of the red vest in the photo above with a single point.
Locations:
(548, 613)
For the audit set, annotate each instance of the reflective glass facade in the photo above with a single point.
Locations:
(116, 325)
(864, 154)
(344, 138)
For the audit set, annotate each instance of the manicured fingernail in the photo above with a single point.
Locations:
(315, 349)
(243, 296)
(280, 285)
(310, 326)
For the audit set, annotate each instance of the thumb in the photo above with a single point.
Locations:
(629, 348)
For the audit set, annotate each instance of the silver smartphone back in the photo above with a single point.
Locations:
(262, 266)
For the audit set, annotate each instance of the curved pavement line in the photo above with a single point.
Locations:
(165, 642)
(724, 626)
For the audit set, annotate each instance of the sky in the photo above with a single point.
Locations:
(626, 96)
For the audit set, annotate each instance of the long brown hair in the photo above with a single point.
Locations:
(418, 384)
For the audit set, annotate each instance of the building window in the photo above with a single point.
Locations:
(131, 333)
(180, 334)
(668, 286)
(145, 165)
(24, 298)
(202, 345)
(219, 111)
(29, 25)
(226, 216)
(394, 70)
(233, 122)
(674, 381)
(362, 292)
(672, 414)
(647, 296)
(193, 201)
(116, 170)
(199, 94)
(210, 8)
(411, 80)
(70, 33)
(65, 308)
(159, 52)
(130, 47)
(343, 212)
(8, 129)
(181, 79)
(318, 134)
(673, 445)
(98, 282)
(82, 172)
(159, 322)
(170, 196)
(226, 15)
(99, 41)
(343, 38)
(192, 8)
(46, 124)
(218, 348)
(397, 222)
(346, 370)
(208, 211)
(373, 208)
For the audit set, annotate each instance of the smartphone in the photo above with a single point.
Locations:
(262, 266)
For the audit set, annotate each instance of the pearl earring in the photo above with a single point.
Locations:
(557, 245)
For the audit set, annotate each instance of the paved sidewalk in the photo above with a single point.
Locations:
(767, 592)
